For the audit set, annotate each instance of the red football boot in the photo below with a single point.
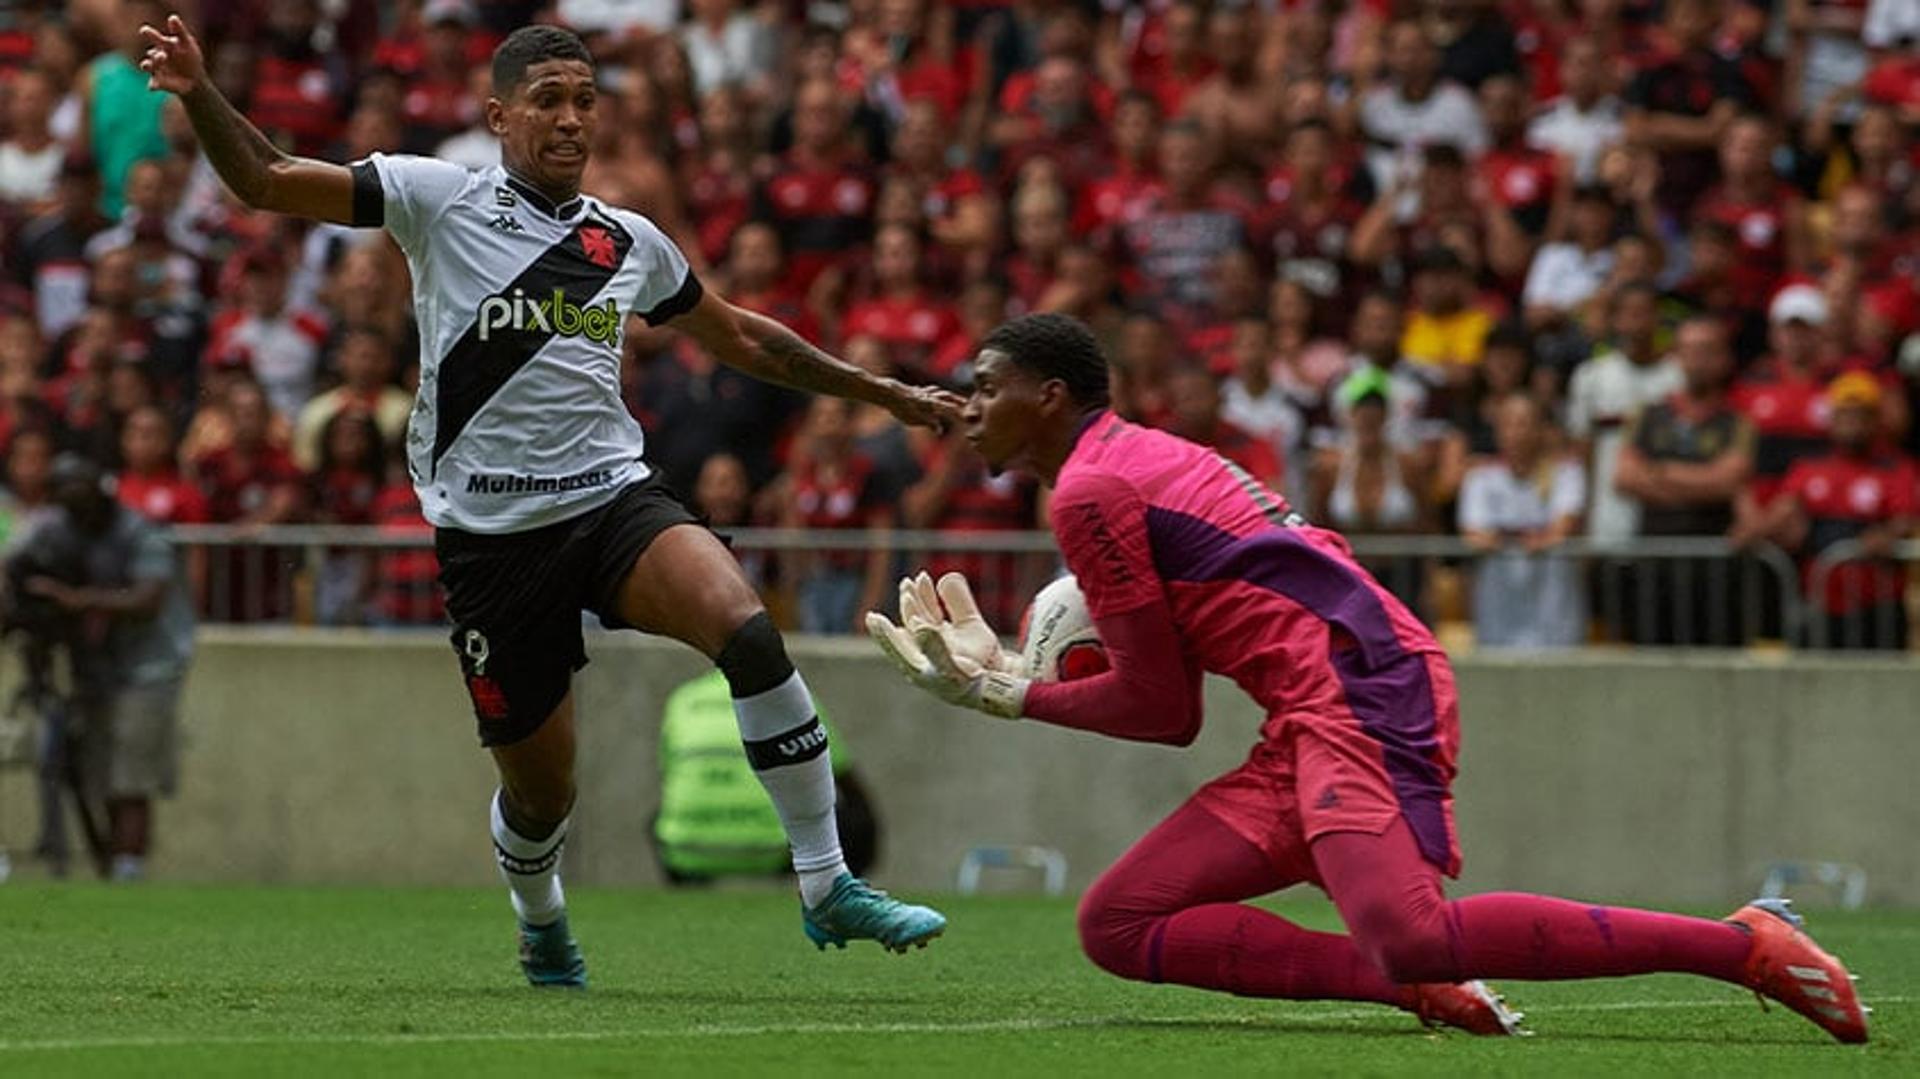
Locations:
(1788, 966)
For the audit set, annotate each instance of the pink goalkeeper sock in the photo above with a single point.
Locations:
(1513, 935)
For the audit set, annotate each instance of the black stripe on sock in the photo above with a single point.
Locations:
(528, 867)
(473, 370)
(802, 743)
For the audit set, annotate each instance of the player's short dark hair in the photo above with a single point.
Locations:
(1056, 346)
(531, 45)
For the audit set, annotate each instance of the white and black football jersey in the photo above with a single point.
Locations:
(522, 306)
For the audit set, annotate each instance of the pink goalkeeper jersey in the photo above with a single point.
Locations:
(1257, 594)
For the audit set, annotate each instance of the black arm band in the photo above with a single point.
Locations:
(369, 200)
(677, 304)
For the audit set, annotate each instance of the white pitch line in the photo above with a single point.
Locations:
(984, 1026)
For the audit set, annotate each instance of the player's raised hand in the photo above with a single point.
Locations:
(926, 406)
(173, 61)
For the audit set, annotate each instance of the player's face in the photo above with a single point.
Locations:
(546, 124)
(1006, 410)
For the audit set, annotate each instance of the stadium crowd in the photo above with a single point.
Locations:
(1525, 271)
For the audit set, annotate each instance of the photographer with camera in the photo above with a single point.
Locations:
(100, 583)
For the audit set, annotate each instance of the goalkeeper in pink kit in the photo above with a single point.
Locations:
(1189, 565)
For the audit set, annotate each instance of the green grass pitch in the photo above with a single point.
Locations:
(187, 981)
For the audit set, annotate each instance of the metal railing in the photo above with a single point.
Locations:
(1863, 620)
(1682, 590)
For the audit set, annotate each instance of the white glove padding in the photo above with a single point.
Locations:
(923, 656)
(967, 634)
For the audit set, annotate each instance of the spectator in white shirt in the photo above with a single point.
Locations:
(1585, 120)
(1891, 23)
(1517, 509)
(1565, 275)
(1254, 401)
(728, 47)
(30, 158)
(1609, 390)
(1414, 108)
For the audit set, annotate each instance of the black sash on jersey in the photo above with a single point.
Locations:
(473, 370)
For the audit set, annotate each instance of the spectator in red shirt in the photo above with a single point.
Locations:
(818, 198)
(251, 482)
(150, 483)
(1311, 214)
(437, 104)
(1681, 105)
(299, 93)
(901, 314)
(1060, 122)
(830, 487)
(343, 490)
(756, 272)
(406, 576)
(1862, 492)
(1895, 82)
(961, 212)
(1517, 174)
(1766, 215)
(1784, 396)
(905, 54)
(718, 180)
(1170, 55)
(1194, 400)
(1119, 192)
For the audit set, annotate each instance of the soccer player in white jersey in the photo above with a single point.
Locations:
(529, 465)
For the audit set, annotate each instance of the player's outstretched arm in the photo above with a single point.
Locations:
(252, 167)
(769, 351)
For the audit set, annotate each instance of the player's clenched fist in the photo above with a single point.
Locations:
(173, 61)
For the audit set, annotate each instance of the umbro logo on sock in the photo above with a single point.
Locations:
(811, 738)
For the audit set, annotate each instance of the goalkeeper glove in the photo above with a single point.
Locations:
(924, 657)
(967, 634)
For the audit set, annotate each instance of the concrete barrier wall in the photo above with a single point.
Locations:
(349, 757)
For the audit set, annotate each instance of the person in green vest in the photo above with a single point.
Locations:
(715, 819)
(121, 112)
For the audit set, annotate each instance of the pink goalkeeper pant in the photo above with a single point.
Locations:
(1170, 911)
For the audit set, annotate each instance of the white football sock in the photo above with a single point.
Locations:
(531, 868)
(787, 747)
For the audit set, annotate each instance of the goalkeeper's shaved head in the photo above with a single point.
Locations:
(1054, 346)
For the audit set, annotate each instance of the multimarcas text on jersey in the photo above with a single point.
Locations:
(521, 483)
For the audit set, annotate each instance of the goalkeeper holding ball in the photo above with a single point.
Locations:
(1190, 565)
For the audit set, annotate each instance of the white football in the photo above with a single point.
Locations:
(1057, 640)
